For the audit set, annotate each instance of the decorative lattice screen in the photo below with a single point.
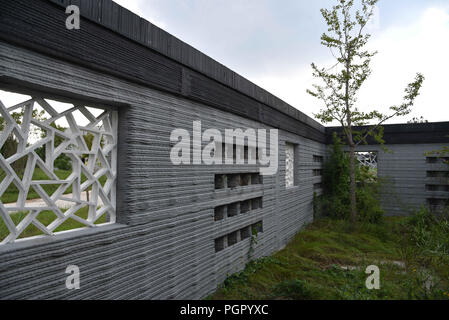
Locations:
(44, 197)
(367, 159)
(289, 165)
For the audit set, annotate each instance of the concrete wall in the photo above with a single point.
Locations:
(404, 169)
(164, 244)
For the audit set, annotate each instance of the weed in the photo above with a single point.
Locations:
(293, 289)
(327, 260)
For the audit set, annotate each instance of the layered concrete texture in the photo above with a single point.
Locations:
(181, 229)
(412, 176)
(164, 246)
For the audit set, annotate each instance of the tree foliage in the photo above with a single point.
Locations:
(9, 147)
(346, 38)
(62, 162)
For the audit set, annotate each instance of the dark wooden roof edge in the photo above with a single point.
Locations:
(406, 133)
(120, 20)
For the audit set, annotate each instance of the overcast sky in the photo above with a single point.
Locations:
(273, 43)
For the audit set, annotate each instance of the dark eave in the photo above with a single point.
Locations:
(409, 133)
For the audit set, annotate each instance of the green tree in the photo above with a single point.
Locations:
(9, 147)
(62, 162)
(346, 38)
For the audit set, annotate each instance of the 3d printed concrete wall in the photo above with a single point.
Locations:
(180, 230)
(411, 178)
(166, 243)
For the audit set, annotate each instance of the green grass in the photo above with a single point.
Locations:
(11, 194)
(46, 217)
(310, 266)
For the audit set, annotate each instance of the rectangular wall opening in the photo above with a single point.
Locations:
(437, 204)
(59, 166)
(235, 180)
(219, 213)
(245, 233)
(438, 174)
(437, 159)
(246, 179)
(245, 206)
(256, 203)
(257, 227)
(290, 165)
(220, 181)
(219, 244)
(233, 209)
(256, 178)
(232, 238)
(436, 187)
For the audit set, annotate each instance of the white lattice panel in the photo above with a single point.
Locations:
(367, 159)
(91, 163)
(289, 165)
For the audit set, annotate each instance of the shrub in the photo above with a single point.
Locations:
(367, 192)
(368, 206)
(335, 201)
(63, 162)
(430, 232)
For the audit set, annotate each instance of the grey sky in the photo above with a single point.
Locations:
(272, 43)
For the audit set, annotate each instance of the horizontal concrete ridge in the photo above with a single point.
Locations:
(409, 133)
(165, 245)
(136, 49)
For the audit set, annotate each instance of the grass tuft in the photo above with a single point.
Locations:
(328, 259)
